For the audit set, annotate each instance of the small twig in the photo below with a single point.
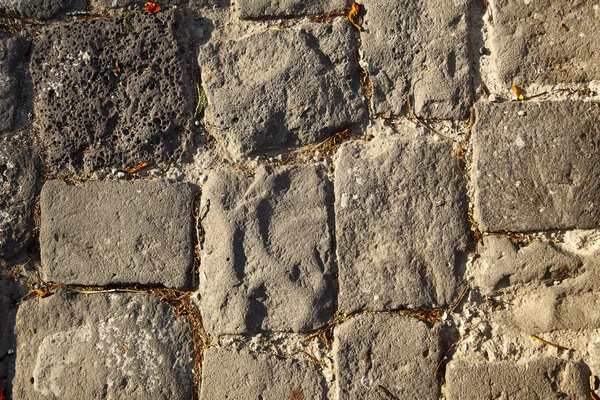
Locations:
(445, 358)
(549, 343)
(386, 393)
(422, 123)
(459, 299)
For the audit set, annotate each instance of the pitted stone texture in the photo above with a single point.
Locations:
(266, 262)
(12, 51)
(400, 219)
(536, 166)
(18, 185)
(38, 9)
(123, 3)
(90, 114)
(546, 41)
(250, 9)
(102, 346)
(115, 232)
(282, 87)
(393, 352)
(544, 378)
(503, 264)
(238, 375)
(417, 48)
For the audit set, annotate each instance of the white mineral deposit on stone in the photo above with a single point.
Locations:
(519, 142)
(344, 200)
(521, 113)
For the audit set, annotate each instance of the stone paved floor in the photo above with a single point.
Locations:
(251, 199)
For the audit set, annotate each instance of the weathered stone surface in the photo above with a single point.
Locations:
(102, 346)
(284, 8)
(38, 9)
(503, 264)
(400, 221)
(18, 185)
(266, 262)
(544, 378)
(418, 48)
(11, 293)
(282, 87)
(11, 56)
(93, 113)
(536, 165)
(117, 232)
(546, 41)
(230, 374)
(123, 3)
(395, 352)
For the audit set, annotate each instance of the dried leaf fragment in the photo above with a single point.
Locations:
(117, 69)
(297, 394)
(563, 27)
(152, 7)
(518, 92)
(137, 168)
(354, 15)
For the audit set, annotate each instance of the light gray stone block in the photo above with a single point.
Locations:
(400, 223)
(545, 41)
(393, 353)
(117, 232)
(418, 48)
(544, 378)
(252, 9)
(240, 375)
(94, 114)
(267, 256)
(102, 346)
(536, 166)
(282, 87)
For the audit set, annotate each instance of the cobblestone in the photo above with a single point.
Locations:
(105, 233)
(12, 51)
(267, 257)
(284, 8)
(400, 206)
(38, 9)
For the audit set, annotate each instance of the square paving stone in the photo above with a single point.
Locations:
(401, 228)
(389, 353)
(282, 87)
(114, 92)
(418, 48)
(12, 52)
(117, 232)
(253, 9)
(38, 9)
(102, 346)
(267, 257)
(546, 41)
(544, 378)
(19, 186)
(241, 375)
(536, 166)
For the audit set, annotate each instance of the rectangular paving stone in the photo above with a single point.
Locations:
(267, 257)
(117, 232)
(38, 9)
(386, 352)
(231, 374)
(253, 9)
(545, 41)
(417, 48)
(536, 166)
(93, 113)
(282, 87)
(543, 378)
(102, 346)
(400, 205)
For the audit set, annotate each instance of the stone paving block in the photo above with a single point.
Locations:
(102, 346)
(38, 9)
(544, 378)
(393, 352)
(503, 264)
(282, 87)
(536, 166)
(266, 262)
(546, 41)
(239, 375)
(117, 232)
(252, 9)
(12, 52)
(18, 185)
(418, 48)
(400, 219)
(93, 113)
